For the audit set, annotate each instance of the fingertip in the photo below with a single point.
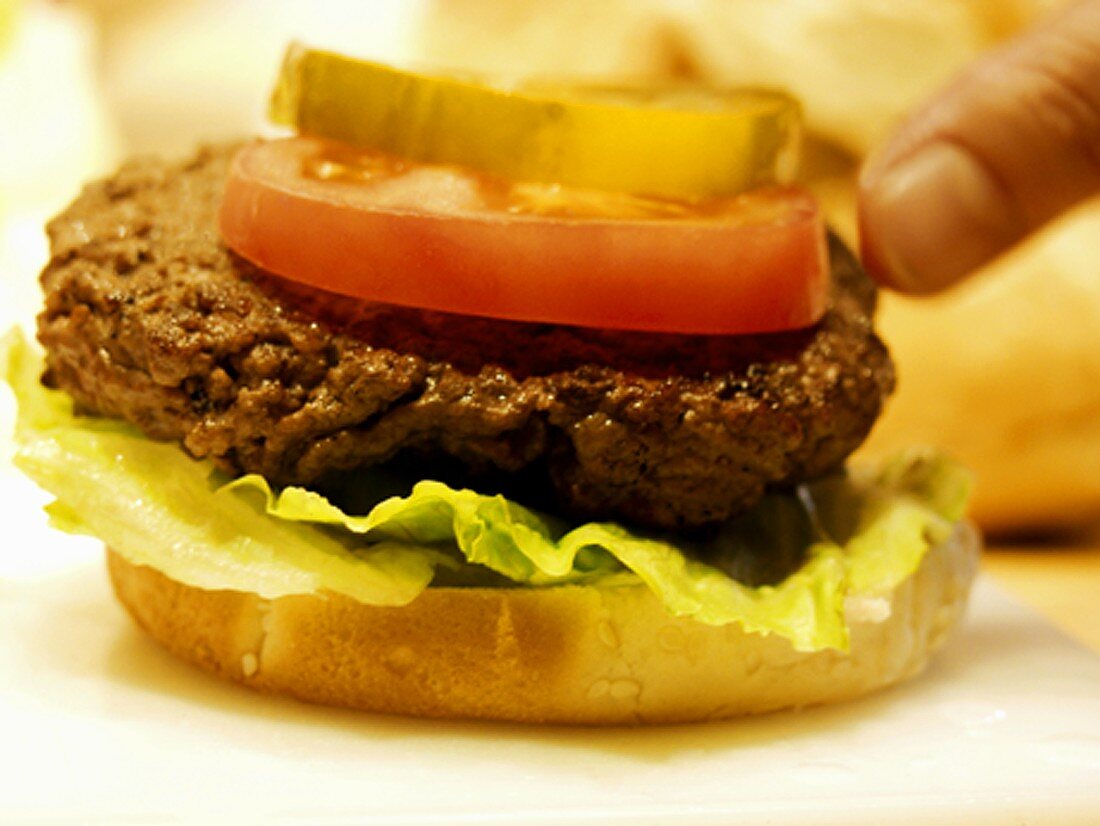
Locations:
(871, 256)
(873, 231)
(1007, 147)
(933, 217)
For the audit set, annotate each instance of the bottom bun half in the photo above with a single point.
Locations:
(570, 654)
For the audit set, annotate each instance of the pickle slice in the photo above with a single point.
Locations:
(676, 143)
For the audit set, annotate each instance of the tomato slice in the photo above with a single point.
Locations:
(445, 238)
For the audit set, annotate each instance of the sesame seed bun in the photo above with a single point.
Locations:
(571, 654)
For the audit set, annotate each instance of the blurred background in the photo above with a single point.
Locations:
(1004, 372)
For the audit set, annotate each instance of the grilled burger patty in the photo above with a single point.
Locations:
(150, 318)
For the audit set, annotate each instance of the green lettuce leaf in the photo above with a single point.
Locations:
(847, 535)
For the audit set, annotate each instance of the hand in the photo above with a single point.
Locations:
(1012, 143)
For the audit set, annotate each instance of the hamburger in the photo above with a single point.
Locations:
(381, 429)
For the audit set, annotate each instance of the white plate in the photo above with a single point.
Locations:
(100, 726)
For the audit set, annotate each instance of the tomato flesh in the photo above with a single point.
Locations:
(447, 239)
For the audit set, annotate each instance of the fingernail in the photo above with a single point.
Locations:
(934, 217)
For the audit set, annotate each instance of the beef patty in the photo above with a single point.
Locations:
(149, 318)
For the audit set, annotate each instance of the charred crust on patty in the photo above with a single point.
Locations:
(149, 318)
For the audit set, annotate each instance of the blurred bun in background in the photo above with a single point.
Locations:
(1003, 372)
